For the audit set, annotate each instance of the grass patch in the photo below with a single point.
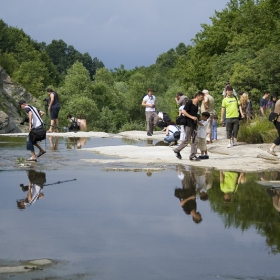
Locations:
(259, 130)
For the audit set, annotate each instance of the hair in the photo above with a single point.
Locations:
(229, 87)
(69, 116)
(215, 117)
(206, 114)
(180, 93)
(267, 92)
(185, 100)
(199, 93)
(150, 89)
(244, 98)
(171, 123)
(272, 96)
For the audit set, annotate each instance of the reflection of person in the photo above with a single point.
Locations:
(149, 101)
(53, 143)
(187, 194)
(34, 189)
(229, 183)
(34, 121)
(76, 142)
(54, 108)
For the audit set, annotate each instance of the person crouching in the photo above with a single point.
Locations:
(172, 133)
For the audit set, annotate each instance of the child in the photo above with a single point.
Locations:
(182, 127)
(214, 128)
(201, 135)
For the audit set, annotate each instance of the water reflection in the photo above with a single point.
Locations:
(34, 189)
(53, 142)
(76, 142)
(193, 183)
(229, 182)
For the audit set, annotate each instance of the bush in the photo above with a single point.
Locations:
(259, 130)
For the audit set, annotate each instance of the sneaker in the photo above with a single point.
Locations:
(271, 152)
(229, 145)
(178, 155)
(233, 143)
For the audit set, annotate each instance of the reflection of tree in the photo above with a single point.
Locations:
(250, 206)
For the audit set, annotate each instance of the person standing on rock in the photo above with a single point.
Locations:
(54, 108)
(230, 106)
(207, 105)
(34, 121)
(277, 126)
(190, 111)
(149, 101)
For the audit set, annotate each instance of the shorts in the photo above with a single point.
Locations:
(201, 143)
(54, 113)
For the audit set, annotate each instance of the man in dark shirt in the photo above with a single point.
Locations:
(263, 103)
(190, 111)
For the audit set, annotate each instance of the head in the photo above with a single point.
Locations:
(182, 99)
(197, 217)
(171, 123)
(150, 91)
(206, 92)
(205, 116)
(273, 98)
(178, 95)
(22, 104)
(227, 197)
(203, 196)
(244, 98)
(229, 90)
(49, 90)
(199, 96)
(266, 94)
(69, 116)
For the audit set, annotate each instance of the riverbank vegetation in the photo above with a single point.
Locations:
(241, 46)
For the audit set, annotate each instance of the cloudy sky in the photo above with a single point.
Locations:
(128, 32)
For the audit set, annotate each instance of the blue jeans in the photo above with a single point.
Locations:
(169, 139)
(214, 131)
(29, 145)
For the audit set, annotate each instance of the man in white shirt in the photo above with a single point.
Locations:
(149, 101)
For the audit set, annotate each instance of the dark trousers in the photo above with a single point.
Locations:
(277, 140)
(232, 127)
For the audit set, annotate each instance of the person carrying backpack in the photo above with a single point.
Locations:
(74, 125)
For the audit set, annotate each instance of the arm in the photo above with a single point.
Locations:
(30, 120)
(221, 176)
(51, 100)
(222, 113)
(241, 112)
(167, 131)
(41, 113)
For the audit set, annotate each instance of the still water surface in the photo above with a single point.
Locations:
(132, 225)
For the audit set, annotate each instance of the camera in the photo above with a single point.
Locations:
(24, 120)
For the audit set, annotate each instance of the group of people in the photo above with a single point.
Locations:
(35, 122)
(199, 123)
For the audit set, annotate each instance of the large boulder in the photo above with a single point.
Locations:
(10, 94)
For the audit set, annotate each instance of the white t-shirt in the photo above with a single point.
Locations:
(171, 129)
(201, 130)
(150, 100)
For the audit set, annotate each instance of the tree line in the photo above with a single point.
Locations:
(241, 45)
